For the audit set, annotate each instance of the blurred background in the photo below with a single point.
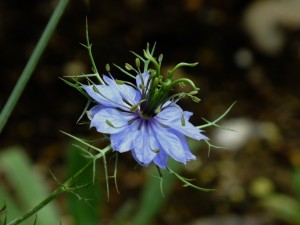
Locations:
(248, 51)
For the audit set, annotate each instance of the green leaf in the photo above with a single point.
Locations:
(28, 184)
(296, 183)
(283, 207)
(9, 208)
(85, 204)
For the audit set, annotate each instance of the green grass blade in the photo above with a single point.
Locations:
(28, 184)
(32, 62)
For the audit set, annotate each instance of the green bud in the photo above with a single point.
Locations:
(193, 92)
(137, 62)
(128, 66)
(160, 58)
(195, 99)
(107, 67)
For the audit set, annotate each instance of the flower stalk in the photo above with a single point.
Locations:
(67, 186)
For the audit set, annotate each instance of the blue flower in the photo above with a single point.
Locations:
(142, 119)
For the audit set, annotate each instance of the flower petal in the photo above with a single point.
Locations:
(170, 143)
(111, 121)
(141, 146)
(161, 159)
(123, 141)
(174, 117)
(95, 109)
(184, 143)
(105, 95)
(131, 95)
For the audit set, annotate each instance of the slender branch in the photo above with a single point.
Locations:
(214, 123)
(32, 211)
(51, 197)
(89, 48)
(65, 187)
(31, 64)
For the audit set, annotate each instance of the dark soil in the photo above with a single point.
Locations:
(209, 32)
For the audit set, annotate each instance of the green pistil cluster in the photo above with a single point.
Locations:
(157, 90)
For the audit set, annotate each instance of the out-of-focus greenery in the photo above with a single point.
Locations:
(281, 206)
(25, 188)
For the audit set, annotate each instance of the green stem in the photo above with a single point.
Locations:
(89, 47)
(31, 64)
(51, 197)
(32, 211)
(63, 188)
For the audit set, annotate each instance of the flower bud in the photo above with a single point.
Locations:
(137, 62)
(128, 66)
(107, 67)
(195, 99)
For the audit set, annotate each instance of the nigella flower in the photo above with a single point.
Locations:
(143, 119)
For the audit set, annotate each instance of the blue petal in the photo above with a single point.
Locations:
(123, 141)
(91, 113)
(127, 92)
(142, 79)
(174, 117)
(184, 143)
(170, 143)
(109, 81)
(105, 95)
(141, 146)
(111, 121)
(161, 159)
(131, 95)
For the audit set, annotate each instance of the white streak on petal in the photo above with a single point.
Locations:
(118, 119)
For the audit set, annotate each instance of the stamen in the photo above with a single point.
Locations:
(95, 89)
(156, 150)
(182, 120)
(134, 107)
(109, 123)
